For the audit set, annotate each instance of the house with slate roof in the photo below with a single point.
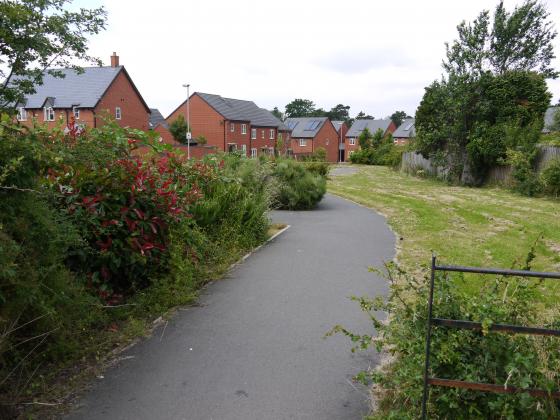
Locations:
(232, 124)
(88, 98)
(158, 124)
(311, 133)
(405, 132)
(385, 125)
(341, 128)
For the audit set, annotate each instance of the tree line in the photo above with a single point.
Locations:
(340, 112)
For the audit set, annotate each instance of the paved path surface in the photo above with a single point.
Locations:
(254, 348)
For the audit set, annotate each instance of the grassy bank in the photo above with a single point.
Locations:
(464, 226)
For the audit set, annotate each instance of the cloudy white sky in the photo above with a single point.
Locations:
(376, 56)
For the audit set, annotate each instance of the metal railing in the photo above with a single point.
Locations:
(465, 324)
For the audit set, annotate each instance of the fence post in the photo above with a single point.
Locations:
(428, 339)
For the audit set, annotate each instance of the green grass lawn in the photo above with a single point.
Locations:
(488, 227)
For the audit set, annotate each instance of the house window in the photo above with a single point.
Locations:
(76, 112)
(22, 114)
(302, 142)
(231, 127)
(244, 149)
(118, 113)
(232, 147)
(352, 142)
(244, 129)
(253, 152)
(49, 114)
(262, 134)
(271, 134)
(253, 133)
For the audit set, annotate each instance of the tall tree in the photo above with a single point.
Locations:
(299, 108)
(339, 112)
(520, 40)
(494, 86)
(362, 116)
(276, 112)
(36, 35)
(178, 129)
(398, 117)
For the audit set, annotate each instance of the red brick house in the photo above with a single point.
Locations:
(88, 98)
(231, 124)
(405, 133)
(311, 133)
(351, 143)
(341, 129)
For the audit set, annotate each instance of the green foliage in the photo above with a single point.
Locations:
(377, 149)
(93, 239)
(496, 78)
(551, 178)
(365, 139)
(339, 112)
(277, 113)
(36, 35)
(300, 108)
(398, 117)
(298, 188)
(179, 128)
(555, 126)
(317, 162)
(201, 140)
(485, 356)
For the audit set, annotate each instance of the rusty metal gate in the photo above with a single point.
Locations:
(465, 324)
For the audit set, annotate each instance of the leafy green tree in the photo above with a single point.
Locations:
(178, 129)
(555, 126)
(38, 35)
(398, 117)
(365, 139)
(362, 116)
(520, 40)
(277, 113)
(339, 112)
(465, 118)
(319, 112)
(299, 108)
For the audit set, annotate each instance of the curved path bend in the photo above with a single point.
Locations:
(254, 347)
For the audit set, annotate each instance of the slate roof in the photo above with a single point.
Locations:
(373, 125)
(337, 124)
(549, 117)
(156, 119)
(241, 110)
(406, 129)
(82, 90)
(305, 127)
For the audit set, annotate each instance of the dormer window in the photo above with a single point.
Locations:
(76, 112)
(49, 113)
(22, 114)
(118, 114)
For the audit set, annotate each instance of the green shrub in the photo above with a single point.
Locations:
(298, 188)
(525, 179)
(551, 178)
(517, 360)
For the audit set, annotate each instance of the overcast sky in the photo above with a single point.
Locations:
(376, 56)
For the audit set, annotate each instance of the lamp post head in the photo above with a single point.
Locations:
(186, 85)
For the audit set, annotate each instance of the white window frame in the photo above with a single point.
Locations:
(22, 114)
(232, 127)
(352, 141)
(253, 133)
(254, 152)
(118, 113)
(262, 134)
(302, 142)
(49, 113)
(271, 131)
(76, 112)
(244, 149)
(243, 128)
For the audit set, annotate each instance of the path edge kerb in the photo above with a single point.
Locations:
(244, 257)
(398, 249)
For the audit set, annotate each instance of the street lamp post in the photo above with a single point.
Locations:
(189, 135)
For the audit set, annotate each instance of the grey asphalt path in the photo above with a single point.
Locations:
(254, 347)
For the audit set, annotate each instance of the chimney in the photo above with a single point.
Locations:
(114, 60)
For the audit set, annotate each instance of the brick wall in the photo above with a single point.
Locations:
(121, 94)
(327, 138)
